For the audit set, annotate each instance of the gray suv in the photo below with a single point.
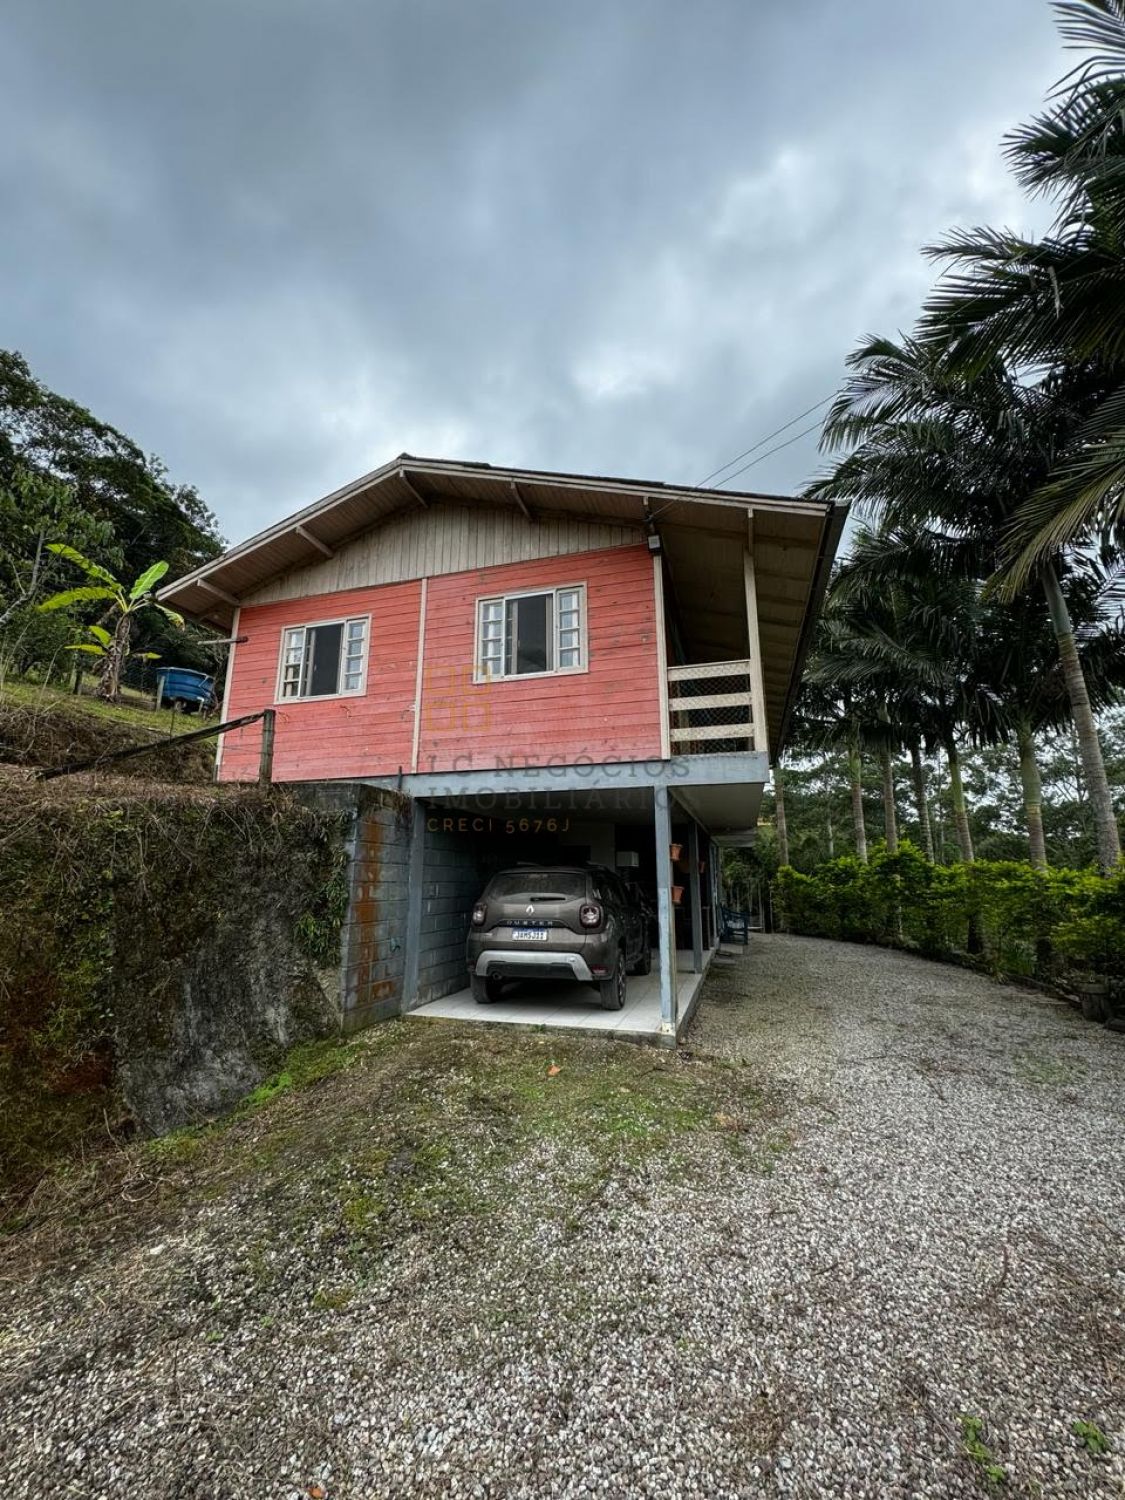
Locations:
(558, 922)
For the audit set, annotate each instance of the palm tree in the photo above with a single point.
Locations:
(904, 589)
(112, 647)
(1059, 302)
(807, 741)
(955, 455)
(835, 716)
(910, 641)
(779, 809)
(921, 794)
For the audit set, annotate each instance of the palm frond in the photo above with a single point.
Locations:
(1086, 496)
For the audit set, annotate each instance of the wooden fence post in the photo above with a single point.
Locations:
(265, 764)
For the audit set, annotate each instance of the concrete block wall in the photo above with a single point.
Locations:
(455, 867)
(373, 937)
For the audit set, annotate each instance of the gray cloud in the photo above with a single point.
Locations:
(278, 241)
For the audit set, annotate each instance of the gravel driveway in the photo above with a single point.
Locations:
(863, 1238)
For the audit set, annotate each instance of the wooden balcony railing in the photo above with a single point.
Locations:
(711, 708)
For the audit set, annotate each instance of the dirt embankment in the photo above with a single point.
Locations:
(52, 732)
(161, 947)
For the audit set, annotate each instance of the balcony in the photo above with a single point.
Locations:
(715, 707)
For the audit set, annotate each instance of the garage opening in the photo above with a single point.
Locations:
(464, 846)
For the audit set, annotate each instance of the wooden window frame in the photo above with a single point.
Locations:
(481, 677)
(307, 625)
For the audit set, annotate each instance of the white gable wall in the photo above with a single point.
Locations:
(443, 539)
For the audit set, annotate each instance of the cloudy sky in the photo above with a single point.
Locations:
(280, 241)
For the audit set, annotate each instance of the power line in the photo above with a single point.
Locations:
(769, 452)
(762, 441)
(785, 426)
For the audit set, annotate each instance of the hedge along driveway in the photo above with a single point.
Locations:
(1051, 924)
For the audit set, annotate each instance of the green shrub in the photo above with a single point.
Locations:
(34, 642)
(1033, 922)
(1094, 944)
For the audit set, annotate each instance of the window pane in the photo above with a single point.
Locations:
(293, 642)
(356, 629)
(570, 628)
(323, 675)
(530, 648)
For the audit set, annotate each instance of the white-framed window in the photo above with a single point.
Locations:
(532, 634)
(325, 660)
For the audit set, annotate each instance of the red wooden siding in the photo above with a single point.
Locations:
(323, 739)
(610, 712)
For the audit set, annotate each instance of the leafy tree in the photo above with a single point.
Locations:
(109, 478)
(112, 647)
(67, 476)
(34, 509)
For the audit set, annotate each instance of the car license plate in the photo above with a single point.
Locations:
(530, 934)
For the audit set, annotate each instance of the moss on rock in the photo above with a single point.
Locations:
(160, 952)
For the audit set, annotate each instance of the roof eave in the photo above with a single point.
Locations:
(663, 496)
(835, 521)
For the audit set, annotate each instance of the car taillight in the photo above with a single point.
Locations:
(478, 916)
(590, 916)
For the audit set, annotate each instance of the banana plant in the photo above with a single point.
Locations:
(123, 604)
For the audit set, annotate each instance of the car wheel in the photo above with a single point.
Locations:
(484, 991)
(644, 963)
(612, 990)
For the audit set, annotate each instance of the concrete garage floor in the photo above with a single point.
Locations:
(574, 1007)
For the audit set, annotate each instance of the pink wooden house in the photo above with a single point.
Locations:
(546, 665)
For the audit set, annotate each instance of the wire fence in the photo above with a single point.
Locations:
(710, 708)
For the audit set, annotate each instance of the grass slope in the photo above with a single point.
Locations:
(40, 726)
(408, 1128)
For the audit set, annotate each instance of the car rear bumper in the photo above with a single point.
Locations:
(506, 963)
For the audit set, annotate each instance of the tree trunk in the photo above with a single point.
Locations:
(33, 583)
(939, 818)
(1032, 796)
(1089, 746)
(890, 822)
(828, 826)
(782, 829)
(114, 659)
(957, 794)
(855, 774)
(921, 804)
